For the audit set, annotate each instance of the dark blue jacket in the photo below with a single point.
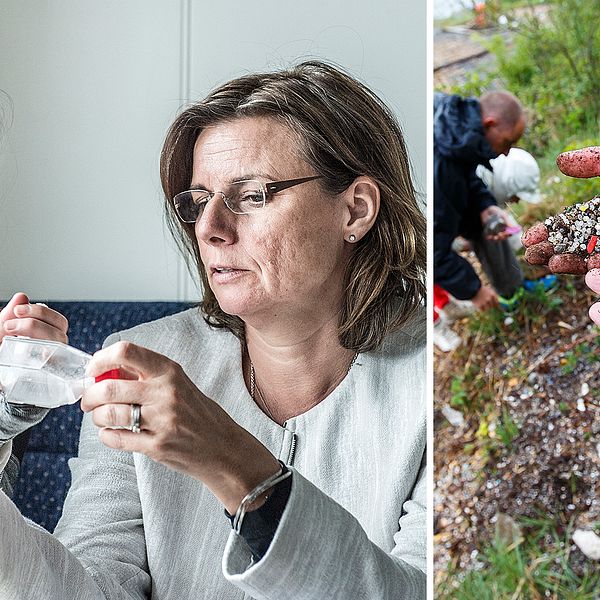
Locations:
(459, 195)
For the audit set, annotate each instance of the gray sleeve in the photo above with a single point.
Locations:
(97, 551)
(9, 468)
(34, 565)
(102, 521)
(5, 452)
(321, 551)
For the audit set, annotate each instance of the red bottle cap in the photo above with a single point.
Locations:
(592, 244)
(112, 374)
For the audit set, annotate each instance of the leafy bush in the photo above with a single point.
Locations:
(475, 84)
(553, 67)
(551, 62)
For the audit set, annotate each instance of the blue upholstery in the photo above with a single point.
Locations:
(45, 476)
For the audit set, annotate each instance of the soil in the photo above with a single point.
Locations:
(543, 371)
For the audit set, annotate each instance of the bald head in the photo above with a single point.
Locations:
(503, 120)
(502, 105)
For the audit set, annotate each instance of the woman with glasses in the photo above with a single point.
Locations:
(271, 443)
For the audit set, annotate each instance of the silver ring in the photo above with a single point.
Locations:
(136, 415)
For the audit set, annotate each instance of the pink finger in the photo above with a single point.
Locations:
(593, 280)
(593, 262)
(112, 391)
(580, 163)
(539, 254)
(534, 235)
(121, 439)
(595, 313)
(34, 329)
(568, 263)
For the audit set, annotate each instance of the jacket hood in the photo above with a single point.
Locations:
(458, 131)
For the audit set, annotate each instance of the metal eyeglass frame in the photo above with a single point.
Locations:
(267, 189)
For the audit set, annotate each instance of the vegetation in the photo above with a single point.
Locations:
(554, 68)
(529, 569)
(517, 378)
(551, 62)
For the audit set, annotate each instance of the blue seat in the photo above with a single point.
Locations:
(45, 477)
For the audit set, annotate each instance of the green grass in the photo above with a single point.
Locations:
(489, 324)
(585, 352)
(470, 391)
(506, 429)
(533, 308)
(536, 568)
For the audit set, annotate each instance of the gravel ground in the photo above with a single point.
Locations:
(542, 370)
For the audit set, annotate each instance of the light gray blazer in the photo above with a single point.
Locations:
(354, 526)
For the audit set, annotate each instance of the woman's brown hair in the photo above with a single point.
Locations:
(345, 131)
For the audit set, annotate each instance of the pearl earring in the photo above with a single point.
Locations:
(352, 238)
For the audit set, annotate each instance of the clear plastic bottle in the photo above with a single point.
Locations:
(43, 373)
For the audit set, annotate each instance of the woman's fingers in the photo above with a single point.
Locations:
(110, 400)
(131, 357)
(34, 329)
(112, 391)
(7, 313)
(112, 415)
(20, 317)
(121, 439)
(580, 163)
(42, 313)
(121, 416)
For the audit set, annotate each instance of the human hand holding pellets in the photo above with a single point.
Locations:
(569, 242)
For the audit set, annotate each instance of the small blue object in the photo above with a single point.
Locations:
(548, 282)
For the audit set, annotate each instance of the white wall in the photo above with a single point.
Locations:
(94, 86)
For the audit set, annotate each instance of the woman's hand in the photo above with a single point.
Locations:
(19, 317)
(180, 426)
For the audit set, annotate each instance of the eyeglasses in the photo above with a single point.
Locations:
(240, 197)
